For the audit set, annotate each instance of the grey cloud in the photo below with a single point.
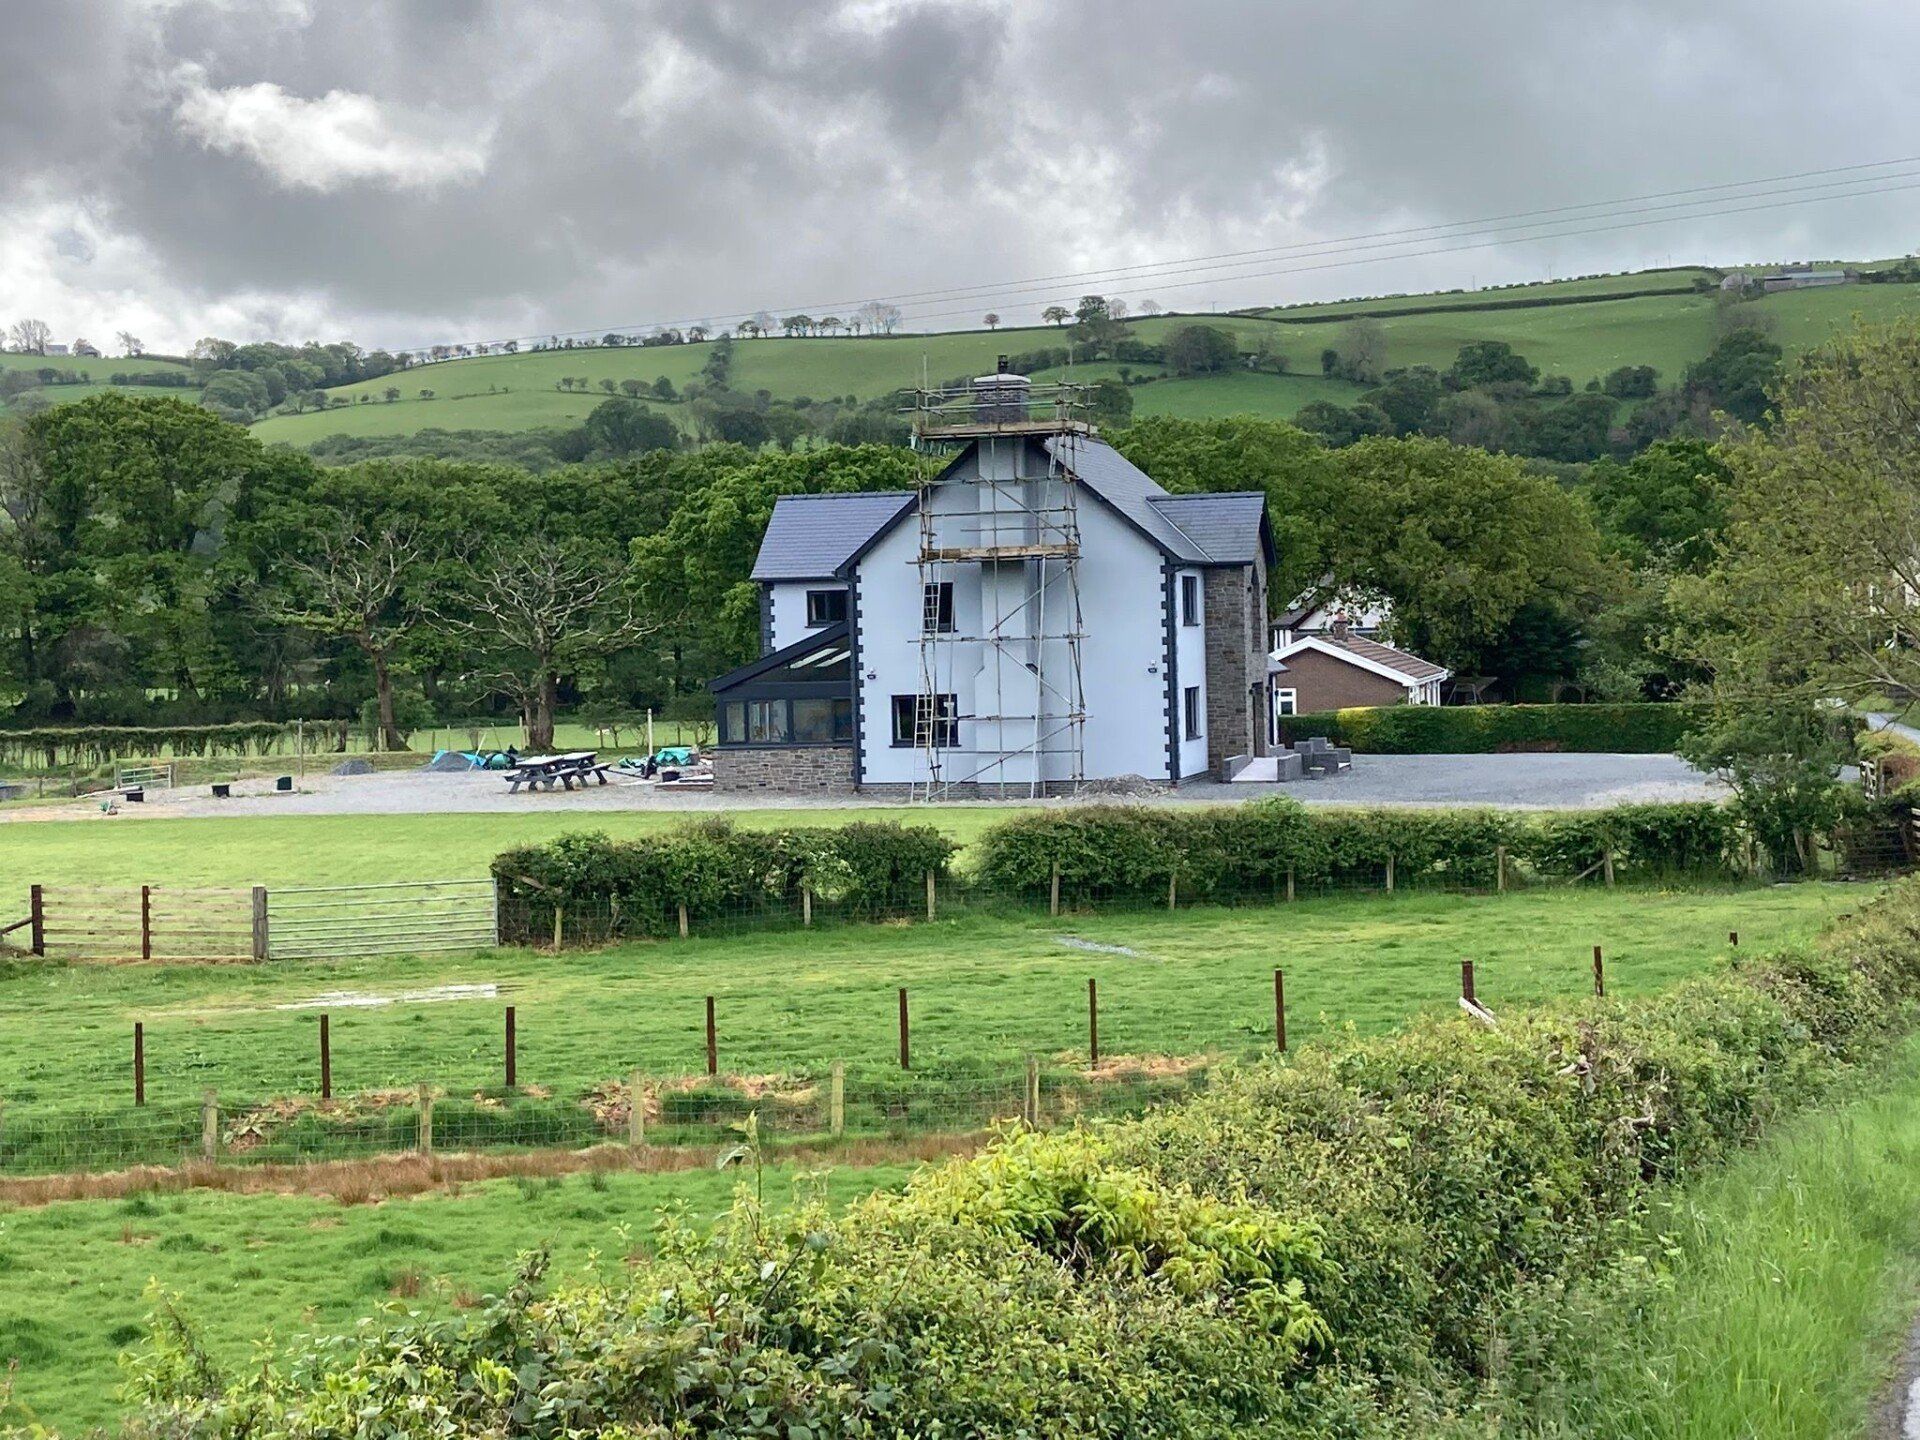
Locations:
(704, 157)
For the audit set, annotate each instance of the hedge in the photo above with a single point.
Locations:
(101, 744)
(1249, 849)
(1636, 729)
(712, 869)
(1322, 1245)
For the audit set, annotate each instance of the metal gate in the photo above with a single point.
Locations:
(345, 921)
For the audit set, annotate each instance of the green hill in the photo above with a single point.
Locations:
(1578, 328)
(96, 374)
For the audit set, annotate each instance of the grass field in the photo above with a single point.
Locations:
(1791, 1279)
(1678, 281)
(352, 849)
(74, 1277)
(1668, 331)
(986, 990)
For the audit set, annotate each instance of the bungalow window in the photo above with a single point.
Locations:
(1190, 712)
(1189, 599)
(826, 607)
(1286, 702)
(767, 722)
(926, 720)
(936, 607)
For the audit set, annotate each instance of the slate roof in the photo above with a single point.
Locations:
(1199, 529)
(811, 536)
(1225, 525)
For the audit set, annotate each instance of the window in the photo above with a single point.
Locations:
(826, 607)
(923, 719)
(1189, 599)
(733, 723)
(936, 607)
(767, 722)
(822, 721)
(1286, 702)
(1190, 712)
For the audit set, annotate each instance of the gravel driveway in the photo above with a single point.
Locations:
(1512, 781)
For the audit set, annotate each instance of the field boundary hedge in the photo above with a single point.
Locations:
(1262, 850)
(1320, 1245)
(1622, 729)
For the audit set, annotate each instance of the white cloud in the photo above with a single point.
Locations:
(340, 139)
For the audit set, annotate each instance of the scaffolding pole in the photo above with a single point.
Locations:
(1009, 542)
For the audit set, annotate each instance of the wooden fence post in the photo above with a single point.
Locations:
(1500, 869)
(930, 895)
(37, 925)
(559, 925)
(146, 922)
(1289, 884)
(713, 1042)
(1093, 1023)
(1280, 1011)
(685, 929)
(139, 1063)
(1466, 983)
(837, 1100)
(806, 905)
(1173, 891)
(1599, 974)
(210, 1125)
(1733, 938)
(1606, 865)
(326, 1057)
(259, 922)
(636, 1111)
(425, 1138)
(1032, 1116)
(1389, 874)
(905, 1059)
(513, 1047)
(1053, 891)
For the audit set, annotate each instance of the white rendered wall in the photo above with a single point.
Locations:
(1190, 651)
(790, 609)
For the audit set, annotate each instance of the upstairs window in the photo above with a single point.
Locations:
(826, 607)
(936, 607)
(1189, 599)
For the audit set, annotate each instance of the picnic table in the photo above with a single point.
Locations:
(574, 768)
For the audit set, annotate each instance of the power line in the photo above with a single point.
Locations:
(1496, 226)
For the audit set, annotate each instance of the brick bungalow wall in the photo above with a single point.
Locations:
(784, 770)
(1325, 683)
(1236, 619)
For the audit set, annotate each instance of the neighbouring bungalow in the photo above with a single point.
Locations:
(1338, 669)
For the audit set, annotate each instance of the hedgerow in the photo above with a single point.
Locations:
(712, 868)
(101, 744)
(1250, 849)
(1626, 729)
(1316, 1246)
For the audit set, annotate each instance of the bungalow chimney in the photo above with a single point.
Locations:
(1338, 630)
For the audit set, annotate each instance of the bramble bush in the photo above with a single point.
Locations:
(1316, 1246)
(1620, 729)
(713, 868)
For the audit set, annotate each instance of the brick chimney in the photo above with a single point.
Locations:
(1338, 629)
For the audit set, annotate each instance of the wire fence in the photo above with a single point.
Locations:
(675, 1110)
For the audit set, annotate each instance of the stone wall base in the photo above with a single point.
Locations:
(784, 770)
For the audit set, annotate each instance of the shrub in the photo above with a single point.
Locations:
(712, 868)
(1317, 1246)
(1632, 729)
(1249, 849)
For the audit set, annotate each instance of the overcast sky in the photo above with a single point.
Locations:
(402, 172)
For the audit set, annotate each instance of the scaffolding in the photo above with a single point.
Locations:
(1001, 708)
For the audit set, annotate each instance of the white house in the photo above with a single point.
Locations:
(1039, 616)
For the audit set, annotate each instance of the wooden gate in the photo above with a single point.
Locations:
(341, 921)
(144, 922)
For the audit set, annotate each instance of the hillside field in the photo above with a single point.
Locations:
(1582, 341)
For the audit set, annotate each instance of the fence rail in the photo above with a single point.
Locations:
(337, 921)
